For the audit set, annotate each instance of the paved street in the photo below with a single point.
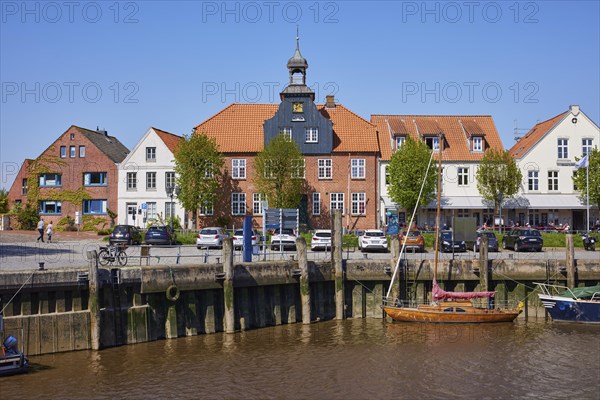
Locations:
(20, 251)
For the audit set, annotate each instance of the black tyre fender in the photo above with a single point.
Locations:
(172, 292)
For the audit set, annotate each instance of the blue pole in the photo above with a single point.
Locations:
(247, 245)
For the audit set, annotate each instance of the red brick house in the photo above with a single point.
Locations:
(340, 151)
(76, 173)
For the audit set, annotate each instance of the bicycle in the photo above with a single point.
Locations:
(110, 254)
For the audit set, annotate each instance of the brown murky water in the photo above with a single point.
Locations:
(354, 359)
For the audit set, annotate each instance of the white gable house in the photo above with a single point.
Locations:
(144, 177)
(547, 155)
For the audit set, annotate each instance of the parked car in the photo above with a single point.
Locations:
(160, 234)
(125, 234)
(238, 238)
(523, 239)
(492, 241)
(321, 240)
(413, 239)
(372, 239)
(448, 244)
(283, 239)
(211, 237)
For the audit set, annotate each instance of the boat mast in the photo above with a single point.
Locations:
(439, 200)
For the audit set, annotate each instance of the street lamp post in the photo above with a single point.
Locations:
(500, 199)
(172, 190)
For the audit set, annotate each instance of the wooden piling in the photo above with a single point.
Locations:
(570, 248)
(336, 260)
(94, 300)
(228, 285)
(304, 279)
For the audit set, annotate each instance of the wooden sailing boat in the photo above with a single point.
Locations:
(447, 307)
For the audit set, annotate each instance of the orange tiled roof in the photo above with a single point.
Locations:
(453, 126)
(170, 139)
(534, 135)
(238, 128)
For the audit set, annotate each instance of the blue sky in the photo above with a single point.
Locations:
(126, 66)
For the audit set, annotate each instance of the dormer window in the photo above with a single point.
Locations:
(433, 142)
(477, 143)
(400, 141)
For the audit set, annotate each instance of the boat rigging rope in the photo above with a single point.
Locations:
(15, 295)
(409, 226)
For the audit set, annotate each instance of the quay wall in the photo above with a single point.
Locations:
(93, 308)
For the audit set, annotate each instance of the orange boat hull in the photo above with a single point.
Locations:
(450, 312)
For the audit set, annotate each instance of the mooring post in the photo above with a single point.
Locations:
(570, 246)
(228, 285)
(336, 260)
(483, 264)
(394, 254)
(304, 279)
(94, 299)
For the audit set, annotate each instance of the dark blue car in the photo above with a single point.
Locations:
(160, 235)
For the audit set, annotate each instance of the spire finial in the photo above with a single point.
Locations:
(297, 38)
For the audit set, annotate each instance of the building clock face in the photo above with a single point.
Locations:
(297, 107)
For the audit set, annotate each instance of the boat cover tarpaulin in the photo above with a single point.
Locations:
(440, 294)
(582, 292)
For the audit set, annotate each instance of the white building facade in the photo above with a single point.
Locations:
(466, 138)
(546, 156)
(144, 176)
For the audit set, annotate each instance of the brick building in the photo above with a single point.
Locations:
(340, 152)
(76, 173)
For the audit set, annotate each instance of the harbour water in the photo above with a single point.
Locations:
(352, 359)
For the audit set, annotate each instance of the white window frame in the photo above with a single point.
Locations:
(311, 135)
(533, 180)
(238, 203)
(316, 203)
(207, 209)
(72, 151)
(151, 180)
(400, 141)
(336, 201)
(169, 179)
(131, 181)
(562, 146)
(87, 178)
(478, 144)
(553, 181)
(299, 168)
(463, 176)
(359, 203)
(286, 131)
(238, 168)
(325, 168)
(357, 168)
(151, 154)
(257, 202)
(435, 142)
(586, 146)
(63, 151)
(151, 210)
(170, 209)
(81, 151)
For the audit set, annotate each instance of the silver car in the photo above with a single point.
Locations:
(211, 237)
(238, 238)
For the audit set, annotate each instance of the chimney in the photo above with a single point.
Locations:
(103, 131)
(330, 101)
(574, 109)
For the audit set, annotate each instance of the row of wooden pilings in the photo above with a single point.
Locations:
(303, 278)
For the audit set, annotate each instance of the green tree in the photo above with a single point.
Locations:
(279, 173)
(198, 165)
(3, 201)
(581, 180)
(407, 170)
(498, 176)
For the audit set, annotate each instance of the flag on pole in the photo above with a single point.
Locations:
(583, 163)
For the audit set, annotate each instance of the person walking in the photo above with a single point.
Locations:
(50, 231)
(40, 228)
